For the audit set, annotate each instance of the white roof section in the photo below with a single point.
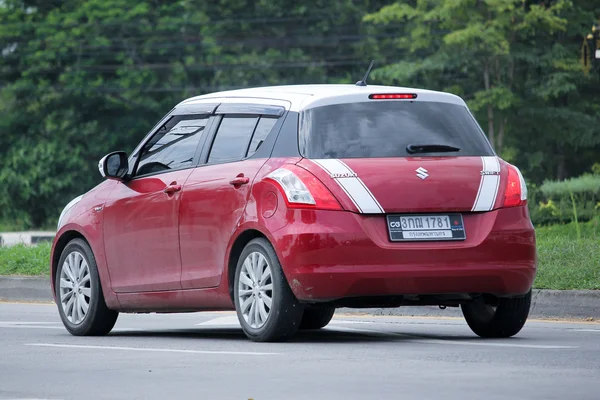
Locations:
(302, 97)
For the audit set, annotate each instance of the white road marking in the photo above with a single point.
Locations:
(231, 320)
(31, 322)
(587, 330)
(348, 321)
(148, 349)
(29, 325)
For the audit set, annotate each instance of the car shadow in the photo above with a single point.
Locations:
(328, 335)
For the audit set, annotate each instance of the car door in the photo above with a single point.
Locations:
(141, 217)
(216, 192)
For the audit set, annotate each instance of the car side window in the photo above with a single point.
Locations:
(173, 146)
(232, 138)
(265, 125)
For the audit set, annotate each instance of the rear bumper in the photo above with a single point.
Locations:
(331, 255)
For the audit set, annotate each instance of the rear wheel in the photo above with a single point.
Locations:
(501, 318)
(79, 293)
(266, 307)
(316, 317)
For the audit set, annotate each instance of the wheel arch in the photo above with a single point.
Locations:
(59, 246)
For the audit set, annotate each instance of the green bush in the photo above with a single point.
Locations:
(557, 202)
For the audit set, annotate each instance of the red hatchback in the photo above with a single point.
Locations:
(284, 203)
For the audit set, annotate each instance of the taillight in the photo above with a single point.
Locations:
(516, 190)
(301, 189)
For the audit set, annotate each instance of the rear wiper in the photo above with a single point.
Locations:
(430, 148)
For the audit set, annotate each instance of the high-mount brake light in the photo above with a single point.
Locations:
(392, 96)
(301, 189)
(516, 190)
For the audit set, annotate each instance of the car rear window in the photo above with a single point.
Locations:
(384, 129)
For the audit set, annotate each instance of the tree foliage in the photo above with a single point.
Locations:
(516, 62)
(80, 78)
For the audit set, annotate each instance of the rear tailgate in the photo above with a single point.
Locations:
(412, 184)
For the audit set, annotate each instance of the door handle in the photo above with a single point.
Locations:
(239, 180)
(172, 188)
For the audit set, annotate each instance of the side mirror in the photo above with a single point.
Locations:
(114, 166)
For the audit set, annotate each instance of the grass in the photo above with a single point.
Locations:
(25, 260)
(565, 262)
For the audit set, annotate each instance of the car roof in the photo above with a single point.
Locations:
(302, 97)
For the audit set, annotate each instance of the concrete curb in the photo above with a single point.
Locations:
(575, 304)
(25, 288)
(27, 238)
(578, 304)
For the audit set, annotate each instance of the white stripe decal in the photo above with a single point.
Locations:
(373, 203)
(488, 186)
(352, 185)
(329, 167)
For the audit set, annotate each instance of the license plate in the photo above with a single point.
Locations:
(426, 227)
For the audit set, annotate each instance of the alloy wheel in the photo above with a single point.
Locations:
(75, 287)
(255, 291)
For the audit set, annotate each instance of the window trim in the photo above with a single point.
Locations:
(207, 108)
(250, 109)
(211, 108)
(196, 158)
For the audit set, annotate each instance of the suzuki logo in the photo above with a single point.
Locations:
(422, 172)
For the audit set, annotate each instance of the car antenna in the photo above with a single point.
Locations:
(363, 81)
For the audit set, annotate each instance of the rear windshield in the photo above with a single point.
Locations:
(384, 129)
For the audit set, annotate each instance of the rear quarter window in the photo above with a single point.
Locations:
(385, 128)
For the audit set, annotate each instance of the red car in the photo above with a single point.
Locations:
(284, 203)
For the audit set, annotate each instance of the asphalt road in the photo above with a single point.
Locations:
(206, 356)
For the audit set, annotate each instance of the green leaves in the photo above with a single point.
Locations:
(396, 12)
(501, 98)
(81, 78)
(515, 62)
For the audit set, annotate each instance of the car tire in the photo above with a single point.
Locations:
(267, 309)
(79, 294)
(316, 317)
(503, 320)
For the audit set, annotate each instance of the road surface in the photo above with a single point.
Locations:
(206, 356)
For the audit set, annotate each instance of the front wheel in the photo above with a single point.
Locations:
(266, 307)
(79, 293)
(500, 318)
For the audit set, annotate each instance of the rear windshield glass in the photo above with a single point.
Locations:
(384, 129)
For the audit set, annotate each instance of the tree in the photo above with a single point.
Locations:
(513, 61)
(81, 78)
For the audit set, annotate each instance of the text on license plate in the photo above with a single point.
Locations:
(426, 227)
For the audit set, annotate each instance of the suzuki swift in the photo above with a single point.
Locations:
(284, 203)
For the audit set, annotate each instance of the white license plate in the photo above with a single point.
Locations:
(426, 227)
